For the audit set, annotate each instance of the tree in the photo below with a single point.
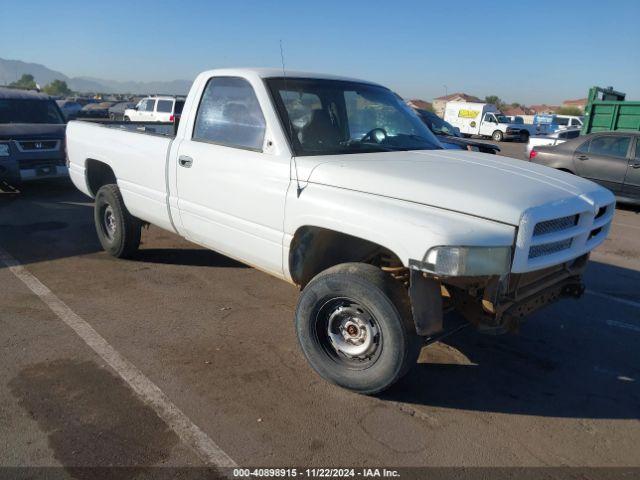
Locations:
(26, 81)
(575, 111)
(57, 87)
(495, 100)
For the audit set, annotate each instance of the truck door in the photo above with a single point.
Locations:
(488, 124)
(231, 187)
(604, 159)
(631, 186)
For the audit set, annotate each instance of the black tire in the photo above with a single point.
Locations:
(524, 136)
(126, 119)
(372, 297)
(118, 230)
(497, 136)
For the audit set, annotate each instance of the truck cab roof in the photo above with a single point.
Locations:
(278, 72)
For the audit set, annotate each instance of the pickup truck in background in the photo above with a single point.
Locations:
(551, 139)
(32, 130)
(549, 123)
(485, 120)
(382, 231)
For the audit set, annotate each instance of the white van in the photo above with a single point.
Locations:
(485, 119)
(155, 109)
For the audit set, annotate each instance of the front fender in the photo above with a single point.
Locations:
(405, 228)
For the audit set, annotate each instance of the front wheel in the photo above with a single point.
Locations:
(126, 119)
(524, 136)
(354, 325)
(118, 231)
(497, 136)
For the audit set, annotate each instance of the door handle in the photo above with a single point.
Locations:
(583, 157)
(185, 161)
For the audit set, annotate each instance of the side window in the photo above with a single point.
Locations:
(150, 105)
(229, 114)
(610, 146)
(584, 148)
(165, 106)
(489, 118)
(142, 106)
(572, 134)
(638, 148)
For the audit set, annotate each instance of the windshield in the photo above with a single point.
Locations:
(328, 117)
(29, 111)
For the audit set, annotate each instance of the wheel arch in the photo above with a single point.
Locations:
(98, 174)
(314, 249)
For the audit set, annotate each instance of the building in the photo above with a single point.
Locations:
(517, 111)
(543, 109)
(440, 103)
(420, 104)
(579, 103)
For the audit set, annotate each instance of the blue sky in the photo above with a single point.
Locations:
(528, 51)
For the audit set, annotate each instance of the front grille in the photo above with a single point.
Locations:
(40, 162)
(549, 248)
(555, 225)
(38, 145)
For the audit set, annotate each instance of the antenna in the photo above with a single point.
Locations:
(295, 163)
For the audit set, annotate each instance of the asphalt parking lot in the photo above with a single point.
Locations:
(217, 339)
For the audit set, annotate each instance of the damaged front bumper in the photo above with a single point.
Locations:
(495, 304)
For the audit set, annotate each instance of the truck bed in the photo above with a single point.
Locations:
(165, 129)
(137, 153)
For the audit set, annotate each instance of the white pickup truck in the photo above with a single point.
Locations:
(336, 186)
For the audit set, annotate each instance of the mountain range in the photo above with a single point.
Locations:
(11, 70)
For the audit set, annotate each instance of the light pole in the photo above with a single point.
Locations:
(445, 90)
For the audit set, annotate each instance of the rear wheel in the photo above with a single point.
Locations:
(354, 325)
(497, 136)
(118, 231)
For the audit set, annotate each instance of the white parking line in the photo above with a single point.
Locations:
(203, 446)
(613, 298)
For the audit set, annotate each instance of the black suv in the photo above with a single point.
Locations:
(32, 129)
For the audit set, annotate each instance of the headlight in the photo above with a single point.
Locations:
(4, 149)
(465, 261)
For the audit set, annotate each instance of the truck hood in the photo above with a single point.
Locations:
(12, 131)
(473, 183)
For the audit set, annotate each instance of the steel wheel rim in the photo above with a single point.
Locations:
(109, 223)
(348, 333)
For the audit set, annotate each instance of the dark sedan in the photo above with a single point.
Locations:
(448, 134)
(95, 110)
(611, 159)
(116, 112)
